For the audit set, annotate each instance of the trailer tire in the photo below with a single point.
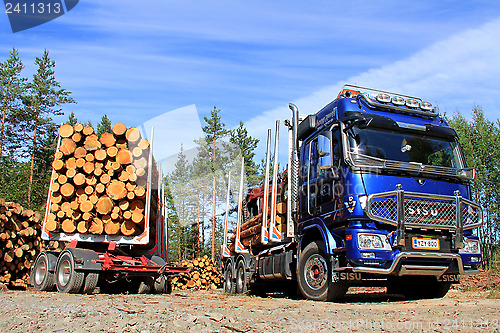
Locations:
(68, 280)
(242, 278)
(90, 283)
(229, 285)
(315, 275)
(41, 276)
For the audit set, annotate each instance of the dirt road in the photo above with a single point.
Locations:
(214, 311)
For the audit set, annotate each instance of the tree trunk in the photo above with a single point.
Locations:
(32, 164)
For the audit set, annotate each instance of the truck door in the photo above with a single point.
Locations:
(322, 158)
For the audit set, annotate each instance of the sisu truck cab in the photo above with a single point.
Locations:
(377, 194)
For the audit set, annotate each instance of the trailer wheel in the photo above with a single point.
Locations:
(90, 283)
(67, 279)
(229, 285)
(315, 276)
(41, 277)
(242, 278)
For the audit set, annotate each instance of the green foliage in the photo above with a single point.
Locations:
(480, 141)
(12, 88)
(246, 145)
(104, 126)
(72, 119)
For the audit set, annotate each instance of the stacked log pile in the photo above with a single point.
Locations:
(251, 230)
(99, 184)
(203, 275)
(20, 243)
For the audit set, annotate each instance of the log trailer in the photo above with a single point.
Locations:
(377, 193)
(117, 263)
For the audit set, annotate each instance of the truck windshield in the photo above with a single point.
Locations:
(404, 147)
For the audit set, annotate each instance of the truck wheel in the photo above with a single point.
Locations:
(229, 285)
(242, 278)
(315, 276)
(90, 283)
(41, 278)
(67, 279)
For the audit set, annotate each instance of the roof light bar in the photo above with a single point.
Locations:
(387, 100)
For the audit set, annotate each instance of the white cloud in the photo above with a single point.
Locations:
(455, 74)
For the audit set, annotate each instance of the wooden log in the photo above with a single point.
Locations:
(105, 179)
(56, 197)
(107, 140)
(116, 190)
(67, 190)
(80, 162)
(66, 130)
(67, 146)
(141, 163)
(119, 129)
(92, 143)
(100, 154)
(82, 227)
(89, 157)
(121, 144)
(137, 217)
(70, 173)
(143, 144)
(100, 188)
(68, 226)
(112, 151)
(112, 227)
(88, 167)
(88, 130)
(77, 137)
(96, 226)
(129, 228)
(79, 179)
(124, 205)
(104, 205)
(62, 179)
(58, 165)
(136, 206)
(133, 135)
(86, 206)
(140, 192)
(124, 156)
(97, 172)
(78, 128)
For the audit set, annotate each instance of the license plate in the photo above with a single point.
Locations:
(425, 243)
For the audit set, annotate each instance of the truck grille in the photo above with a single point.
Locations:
(424, 210)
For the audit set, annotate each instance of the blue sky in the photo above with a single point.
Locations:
(137, 60)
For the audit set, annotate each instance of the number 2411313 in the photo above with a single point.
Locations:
(32, 8)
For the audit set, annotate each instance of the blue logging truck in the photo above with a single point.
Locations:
(377, 193)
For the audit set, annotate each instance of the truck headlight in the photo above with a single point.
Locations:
(471, 246)
(373, 242)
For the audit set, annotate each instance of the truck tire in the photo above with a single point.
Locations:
(41, 276)
(90, 282)
(242, 278)
(67, 279)
(315, 275)
(157, 285)
(229, 285)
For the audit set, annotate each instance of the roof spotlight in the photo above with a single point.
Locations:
(412, 103)
(398, 100)
(383, 98)
(426, 106)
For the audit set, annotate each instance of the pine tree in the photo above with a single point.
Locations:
(104, 126)
(72, 119)
(246, 146)
(12, 87)
(43, 98)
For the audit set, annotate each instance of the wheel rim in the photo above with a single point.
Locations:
(316, 272)
(40, 272)
(228, 280)
(64, 272)
(240, 278)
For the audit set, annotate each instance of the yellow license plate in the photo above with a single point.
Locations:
(425, 243)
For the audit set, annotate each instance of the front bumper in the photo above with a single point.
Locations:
(402, 265)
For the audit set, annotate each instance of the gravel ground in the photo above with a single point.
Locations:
(214, 311)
